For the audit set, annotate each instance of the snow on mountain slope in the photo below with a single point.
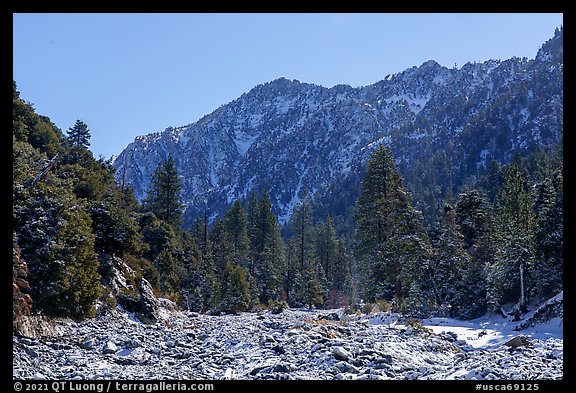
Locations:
(291, 138)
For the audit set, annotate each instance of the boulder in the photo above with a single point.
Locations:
(149, 304)
(110, 347)
(518, 341)
(340, 353)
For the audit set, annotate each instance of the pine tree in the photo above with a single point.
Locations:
(509, 276)
(163, 195)
(236, 225)
(309, 289)
(267, 256)
(79, 135)
(391, 244)
(548, 238)
(474, 218)
(57, 242)
(333, 258)
(221, 251)
(449, 264)
(235, 290)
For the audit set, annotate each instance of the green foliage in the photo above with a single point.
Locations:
(235, 291)
(548, 239)
(79, 135)
(417, 326)
(474, 257)
(391, 244)
(29, 127)
(163, 196)
(21, 300)
(58, 244)
(367, 308)
(236, 226)
(508, 277)
(267, 254)
(277, 306)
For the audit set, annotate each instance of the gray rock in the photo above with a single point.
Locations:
(132, 343)
(330, 317)
(30, 351)
(110, 347)
(149, 304)
(260, 369)
(340, 353)
(88, 343)
(518, 341)
(346, 368)
(279, 349)
(385, 359)
(281, 368)
(170, 343)
(60, 346)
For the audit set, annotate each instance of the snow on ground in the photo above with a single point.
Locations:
(493, 329)
(295, 344)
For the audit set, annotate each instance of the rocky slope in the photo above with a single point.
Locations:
(295, 344)
(296, 139)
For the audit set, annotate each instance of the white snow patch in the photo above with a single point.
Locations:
(243, 141)
(492, 330)
(415, 103)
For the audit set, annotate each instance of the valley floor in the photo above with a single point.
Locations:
(295, 344)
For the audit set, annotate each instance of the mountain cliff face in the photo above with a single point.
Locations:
(295, 139)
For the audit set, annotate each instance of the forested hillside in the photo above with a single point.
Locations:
(83, 244)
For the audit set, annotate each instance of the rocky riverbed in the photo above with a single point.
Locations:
(294, 344)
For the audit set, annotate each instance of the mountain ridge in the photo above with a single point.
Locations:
(296, 139)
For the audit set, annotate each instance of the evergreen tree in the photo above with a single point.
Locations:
(309, 289)
(221, 251)
(391, 243)
(474, 218)
(79, 135)
(266, 251)
(333, 258)
(548, 238)
(163, 196)
(508, 277)
(200, 232)
(450, 262)
(59, 249)
(236, 225)
(235, 290)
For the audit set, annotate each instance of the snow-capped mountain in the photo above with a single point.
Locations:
(295, 139)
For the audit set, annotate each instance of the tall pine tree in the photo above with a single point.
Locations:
(391, 244)
(509, 276)
(163, 195)
(79, 135)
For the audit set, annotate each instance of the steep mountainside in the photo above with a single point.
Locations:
(294, 139)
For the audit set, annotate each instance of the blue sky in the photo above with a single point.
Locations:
(132, 74)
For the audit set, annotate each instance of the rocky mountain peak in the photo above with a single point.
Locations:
(296, 139)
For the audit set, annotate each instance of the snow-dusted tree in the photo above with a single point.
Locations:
(391, 243)
(267, 254)
(236, 225)
(58, 245)
(548, 236)
(308, 286)
(448, 265)
(508, 278)
(474, 218)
